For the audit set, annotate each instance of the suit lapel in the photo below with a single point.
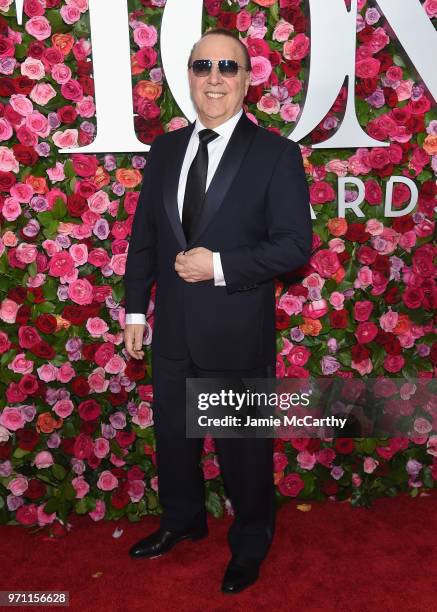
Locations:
(226, 172)
(171, 182)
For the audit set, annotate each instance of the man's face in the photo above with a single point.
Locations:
(216, 97)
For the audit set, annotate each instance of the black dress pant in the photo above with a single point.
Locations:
(246, 463)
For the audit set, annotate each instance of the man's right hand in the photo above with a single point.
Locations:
(133, 339)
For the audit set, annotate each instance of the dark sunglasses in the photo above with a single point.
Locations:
(203, 67)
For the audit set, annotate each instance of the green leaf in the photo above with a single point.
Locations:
(19, 453)
(214, 504)
(58, 471)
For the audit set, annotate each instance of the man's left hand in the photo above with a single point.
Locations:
(195, 265)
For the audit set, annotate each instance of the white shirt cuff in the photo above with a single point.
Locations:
(135, 317)
(219, 279)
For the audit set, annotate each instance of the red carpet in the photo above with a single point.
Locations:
(331, 558)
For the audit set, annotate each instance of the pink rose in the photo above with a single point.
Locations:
(11, 209)
(118, 263)
(66, 139)
(136, 490)
(267, 104)
(12, 418)
(61, 73)
(27, 514)
(315, 309)
(63, 408)
(280, 462)
(299, 355)
(101, 447)
(96, 327)
(244, 19)
(47, 372)
(282, 30)
(99, 512)
(115, 365)
(43, 460)
(70, 14)
(321, 192)
(80, 486)
(81, 292)
(8, 310)
(21, 104)
(145, 35)
(292, 304)
(261, 70)
(297, 48)
(336, 299)
(144, 415)
(42, 93)
(98, 202)
(6, 130)
(8, 163)
(176, 123)
(72, 90)
(17, 486)
(97, 381)
(57, 173)
(38, 27)
(306, 460)
(289, 111)
(86, 107)
(65, 373)
(107, 481)
(370, 465)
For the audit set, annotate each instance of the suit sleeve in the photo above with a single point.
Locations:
(140, 269)
(289, 225)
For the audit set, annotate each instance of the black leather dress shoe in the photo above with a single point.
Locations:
(161, 541)
(240, 574)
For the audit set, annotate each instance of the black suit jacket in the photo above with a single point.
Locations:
(256, 214)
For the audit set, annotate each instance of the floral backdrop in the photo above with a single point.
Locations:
(76, 424)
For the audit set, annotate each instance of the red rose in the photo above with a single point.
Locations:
(362, 310)
(321, 192)
(75, 314)
(373, 192)
(213, 7)
(257, 46)
(83, 446)
(423, 260)
(394, 363)
(330, 487)
(146, 58)
(338, 319)
(227, 20)
(147, 130)
(366, 332)
(413, 297)
(7, 180)
(67, 114)
(46, 323)
(44, 350)
(254, 93)
(80, 386)
(120, 498)
(27, 439)
(35, 489)
(84, 165)
(325, 262)
(27, 514)
(378, 157)
(23, 85)
(359, 353)
(33, 8)
(282, 319)
(5, 450)
(125, 438)
(7, 87)
(135, 369)
(393, 346)
(392, 296)
(27, 156)
(89, 410)
(135, 473)
(356, 232)
(36, 49)
(344, 446)
(118, 399)
(291, 485)
(87, 85)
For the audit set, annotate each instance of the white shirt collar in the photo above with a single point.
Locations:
(224, 129)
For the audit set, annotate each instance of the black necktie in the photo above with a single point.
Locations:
(196, 184)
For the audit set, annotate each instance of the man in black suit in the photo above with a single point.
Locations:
(223, 209)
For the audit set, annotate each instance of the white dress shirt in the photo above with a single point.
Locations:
(216, 149)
